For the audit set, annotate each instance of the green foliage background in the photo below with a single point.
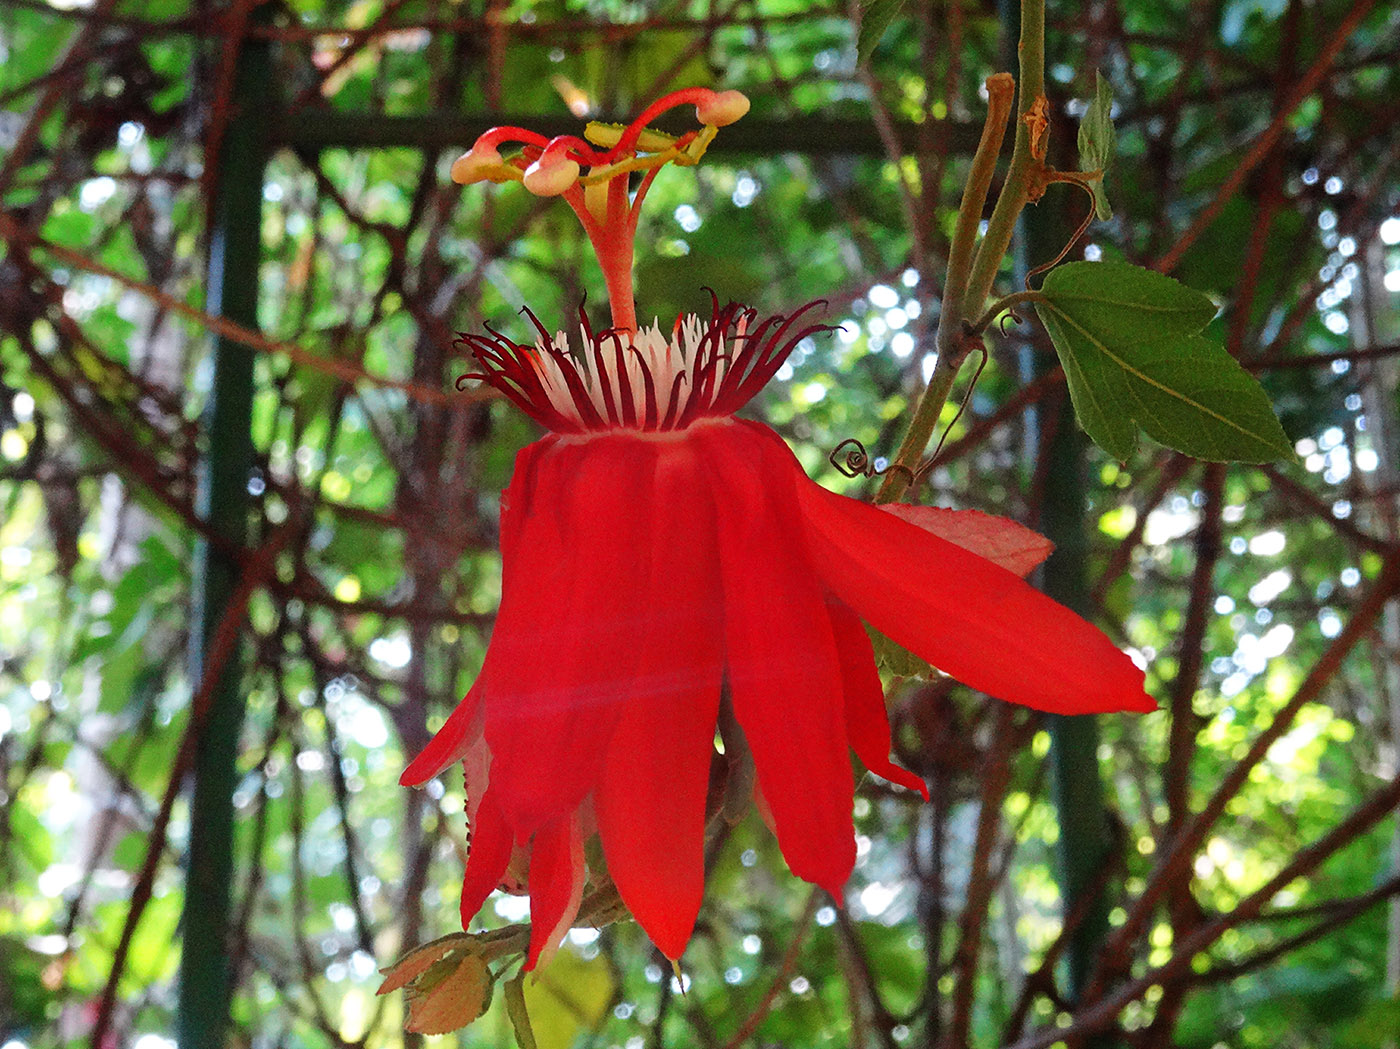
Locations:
(378, 615)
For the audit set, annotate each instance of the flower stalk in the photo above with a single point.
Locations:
(971, 274)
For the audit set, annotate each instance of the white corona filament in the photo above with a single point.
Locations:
(648, 352)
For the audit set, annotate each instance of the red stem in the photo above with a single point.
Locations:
(612, 243)
(693, 95)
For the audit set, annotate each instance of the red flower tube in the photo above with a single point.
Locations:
(655, 548)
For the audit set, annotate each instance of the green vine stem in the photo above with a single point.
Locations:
(1021, 182)
(1001, 94)
(900, 474)
(1006, 302)
(970, 276)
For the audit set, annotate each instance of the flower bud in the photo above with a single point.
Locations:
(722, 108)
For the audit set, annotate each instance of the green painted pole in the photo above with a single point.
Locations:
(205, 980)
(1076, 784)
(1077, 788)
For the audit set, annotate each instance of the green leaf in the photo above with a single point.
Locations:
(1381, 1015)
(1097, 140)
(1117, 296)
(893, 659)
(1127, 339)
(875, 18)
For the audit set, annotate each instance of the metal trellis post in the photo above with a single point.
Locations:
(205, 981)
(1076, 783)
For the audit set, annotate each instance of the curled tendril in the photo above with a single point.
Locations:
(923, 471)
(1074, 180)
(852, 460)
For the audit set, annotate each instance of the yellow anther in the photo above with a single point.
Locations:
(605, 136)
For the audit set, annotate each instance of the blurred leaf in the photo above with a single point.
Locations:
(669, 58)
(1097, 141)
(24, 994)
(151, 958)
(130, 851)
(119, 673)
(70, 226)
(565, 997)
(38, 50)
(29, 836)
(875, 19)
(1360, 1032)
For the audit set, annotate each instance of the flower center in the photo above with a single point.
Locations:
(624, 377)
(640, 379)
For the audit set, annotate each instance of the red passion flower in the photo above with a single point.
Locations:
(656, 549)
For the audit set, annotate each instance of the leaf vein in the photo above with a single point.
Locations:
(1147, 379)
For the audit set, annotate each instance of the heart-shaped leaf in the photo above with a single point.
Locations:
(1127, 339)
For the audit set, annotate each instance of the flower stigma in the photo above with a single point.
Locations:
(626, 376)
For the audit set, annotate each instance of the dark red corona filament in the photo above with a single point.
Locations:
(751, 350)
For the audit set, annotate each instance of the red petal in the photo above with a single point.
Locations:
(965, 615)
(765, 812)
(453, 740)
(999, 539)
(867, 723)
(556, 886)
(562, 657)
(487, 859)
(517, 497)
(476, 774)
(651, 799)
(464, 724)
(783, 670)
